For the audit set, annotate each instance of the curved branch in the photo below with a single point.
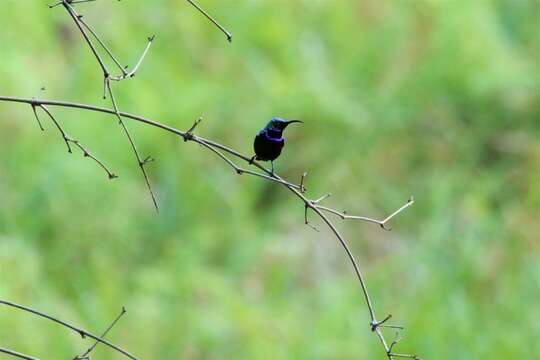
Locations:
(73, 328)
(297, 190)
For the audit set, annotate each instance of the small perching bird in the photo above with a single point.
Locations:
(269, 141)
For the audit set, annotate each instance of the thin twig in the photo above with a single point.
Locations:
(306, 221)
(381, 223)
(139, 62)
(83, 333)
(207, 15)
(103, 45)
(86, 354)
(17, 354)
(140, 161)
(37, 118)
(302, 179)
(108, 89)
(67, 139)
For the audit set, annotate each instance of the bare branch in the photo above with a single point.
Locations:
(306, 221)
(381, 223)
(189, 134)
(139, 62)
(221, 150)
(302, 187)
(37, 118)
(83, 333)
(67, 139)
(102, 44)
(140, 162)
(218, 25)
(81, 25)
(239, 170)
(408, 356)
(16, 354)
(86, 354)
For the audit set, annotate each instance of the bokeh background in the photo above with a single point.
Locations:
(438, 99)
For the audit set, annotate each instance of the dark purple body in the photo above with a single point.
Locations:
(268, 144)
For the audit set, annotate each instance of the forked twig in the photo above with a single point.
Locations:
(83, 333)
(86, 354)
(221, 150)
(67, 139)
(107, 78)
(381, 223)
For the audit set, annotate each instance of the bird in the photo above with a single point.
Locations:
(269, 141)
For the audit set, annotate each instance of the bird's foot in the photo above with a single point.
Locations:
(252, 160)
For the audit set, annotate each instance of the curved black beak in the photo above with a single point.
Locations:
(291, 122)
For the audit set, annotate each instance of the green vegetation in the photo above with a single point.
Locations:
(439, 99)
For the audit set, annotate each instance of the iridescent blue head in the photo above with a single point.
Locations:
(279, 124)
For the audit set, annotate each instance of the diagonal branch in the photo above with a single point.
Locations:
(81, 25)
(212, 20)
(86, 354)
(16, 354)
(125, 74)
(239, 170)
(83, 333)
(67, 139)
(140, 161)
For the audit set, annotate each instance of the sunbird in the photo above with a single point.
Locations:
(269, 141)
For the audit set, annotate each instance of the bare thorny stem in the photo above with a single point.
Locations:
(83, 333)
(224, 153)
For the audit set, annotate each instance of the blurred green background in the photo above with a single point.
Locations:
(436, 99)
